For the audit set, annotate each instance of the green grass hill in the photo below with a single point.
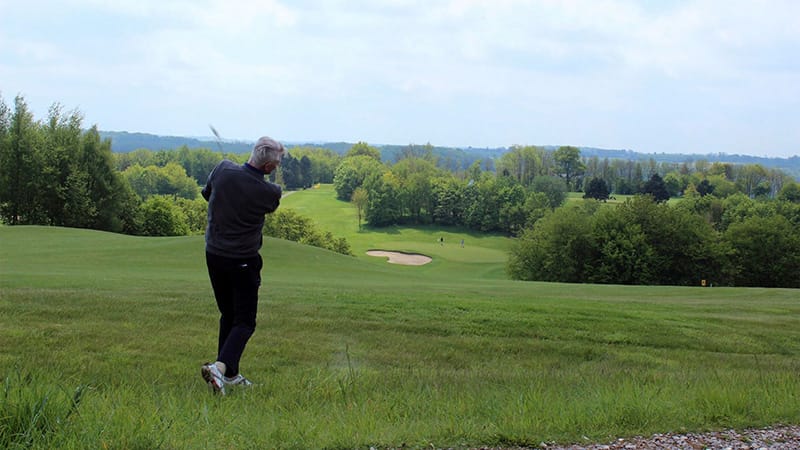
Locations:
(102, 337)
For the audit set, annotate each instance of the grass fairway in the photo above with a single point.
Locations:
(350, 353)
(482, 256)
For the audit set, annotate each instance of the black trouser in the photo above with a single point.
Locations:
(235, 282)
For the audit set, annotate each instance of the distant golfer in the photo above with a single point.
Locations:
(238, 198)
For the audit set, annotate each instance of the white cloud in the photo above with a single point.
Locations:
(548, 69)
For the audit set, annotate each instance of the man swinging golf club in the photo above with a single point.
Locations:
(238, 198)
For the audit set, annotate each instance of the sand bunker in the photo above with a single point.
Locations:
(409, 259)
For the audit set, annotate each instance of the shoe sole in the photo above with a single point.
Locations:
(211, 380)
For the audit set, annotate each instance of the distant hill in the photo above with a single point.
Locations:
(450, 157)
(124, 142)
(789, 165)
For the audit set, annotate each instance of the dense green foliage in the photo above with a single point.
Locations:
(414, 190)
(170, 179)
(55, 173)
(292, 226)
(102, 350)
(736, 241)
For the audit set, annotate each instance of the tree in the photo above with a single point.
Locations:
(481, 203)
(749, 177)
(62, 188)
(766, 252)
(674, 183)
(683, 244)
(554, 188)
(448, 200)
(177, 182)
(557, 248)
(168, 180)
(597, 189)
(161, 217)
(721, 186)
(383, 191)
(511, 214)
(196, 213)
(20, 161)
(362, 148)
(790, 192)
(621, 252)
(360, 199)
(522, 163)
(323, 163)
(305, 172)
(655, 186)
(416, 192)
(536, 206)
(569, 163)
(352, 172)
(291, 172)
(705, 188)
(197, 163)
(474, 171)
(109, 193)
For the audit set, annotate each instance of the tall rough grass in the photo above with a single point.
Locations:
(32, 409)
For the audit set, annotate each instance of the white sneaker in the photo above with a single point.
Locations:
(213, 377)
(237, 380)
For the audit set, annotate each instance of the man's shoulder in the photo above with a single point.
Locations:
(228, 163)
(274, 188)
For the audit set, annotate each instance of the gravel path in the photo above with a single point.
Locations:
(784, 437)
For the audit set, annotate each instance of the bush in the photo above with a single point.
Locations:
(290, 225)
(639, 242)
(162, 217)
(767, 252)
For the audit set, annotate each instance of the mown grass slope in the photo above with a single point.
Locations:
(351, 352)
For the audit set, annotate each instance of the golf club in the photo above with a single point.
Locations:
(216, 134)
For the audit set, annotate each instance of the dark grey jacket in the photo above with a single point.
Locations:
(238, 198)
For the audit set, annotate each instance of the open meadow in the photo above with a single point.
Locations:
(102, 337)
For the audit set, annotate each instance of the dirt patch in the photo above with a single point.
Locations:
(408, 259)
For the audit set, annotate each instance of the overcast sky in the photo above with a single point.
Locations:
(695, 76)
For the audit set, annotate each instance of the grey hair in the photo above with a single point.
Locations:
(266, 150)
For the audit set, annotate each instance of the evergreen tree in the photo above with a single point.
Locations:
(305, 172)
(704, 188)
(656, 187)
(110, 195)
(597, 189)
(290, 171)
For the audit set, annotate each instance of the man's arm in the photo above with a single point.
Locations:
(275, 197)
(206, 192)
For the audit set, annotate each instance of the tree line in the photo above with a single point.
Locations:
(53, 172)
(524, 184)
(736, 241)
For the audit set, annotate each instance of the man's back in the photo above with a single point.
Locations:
(238, 198)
